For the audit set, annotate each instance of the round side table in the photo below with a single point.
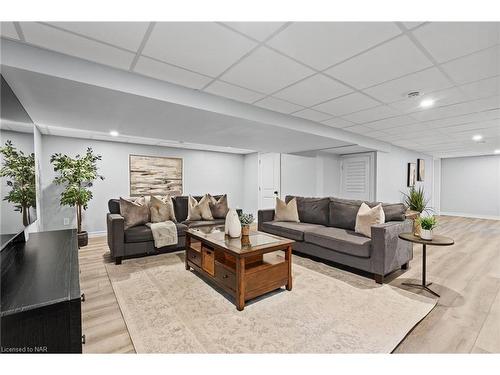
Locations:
(437, 240)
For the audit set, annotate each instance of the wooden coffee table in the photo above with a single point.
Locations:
(437, 240)
(245, 267)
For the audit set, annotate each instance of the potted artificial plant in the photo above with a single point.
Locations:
(427, 224)
(77, 175)
(417, 203)
(246, 220)
(20, 171)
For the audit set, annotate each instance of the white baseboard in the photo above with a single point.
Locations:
(97, 234)
(473, 216)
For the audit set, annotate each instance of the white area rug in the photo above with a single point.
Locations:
(170, 310)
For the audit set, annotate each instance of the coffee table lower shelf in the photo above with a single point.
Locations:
(244, 278)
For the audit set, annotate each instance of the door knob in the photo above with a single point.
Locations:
(275, 192)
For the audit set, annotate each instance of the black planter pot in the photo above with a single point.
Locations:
(83, 239)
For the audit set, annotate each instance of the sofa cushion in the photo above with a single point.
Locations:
(201, 223)
(312, 210)
(218, 207)
(114, 206)
(287, 229)
(394, 211)
(181, 206)
(341, 240)
(142, 233)
(343, 214)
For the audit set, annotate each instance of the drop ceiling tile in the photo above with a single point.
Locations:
(391, 122)
(347, 104)
(481, 89)
(426, 81)
(127, 35)
(372, 114)
(449, 40)
(278, 105)
(266, 71)
(338, 123)
(8, 30)
(441, 98)
(169, 73)
(203, 47)
(475, 67)
(464, 119)
(360, 129)
(256, 30)
(407, 129)
(322, 44)
(495, 124)
(313, 90)
(412, 25)
(233, 92)
(458, 109)
(60, 41)
(388, 61)
(312, 115)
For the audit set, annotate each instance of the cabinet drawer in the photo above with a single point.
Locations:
(194, 256)
(208, 260)
(225, 276)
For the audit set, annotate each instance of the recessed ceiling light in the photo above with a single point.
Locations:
(477, 137)
(114, 133)
(497, 151)
(426, 103)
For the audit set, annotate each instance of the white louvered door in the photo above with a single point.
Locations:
(357, 177)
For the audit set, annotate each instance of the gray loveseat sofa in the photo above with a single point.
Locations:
(326, 231)
(139, 240)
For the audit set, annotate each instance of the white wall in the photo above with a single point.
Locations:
(470, 186)
(436, 189)
(327, 175)
(251, 183)
(204, 172)
(391, 174)
(298, 175)
(12, 221)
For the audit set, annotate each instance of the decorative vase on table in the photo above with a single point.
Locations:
(245, 230)
(232, 225)
(426, 234)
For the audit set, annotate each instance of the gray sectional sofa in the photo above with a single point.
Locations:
(326, 231)
(139, 240)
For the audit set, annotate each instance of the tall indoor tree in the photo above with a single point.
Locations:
(19, 168)
(77, 175)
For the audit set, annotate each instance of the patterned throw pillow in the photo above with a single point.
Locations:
(162, 209)
(134, 212)
(367, 217)
(199, 210)
(286, 212)
(219, 208)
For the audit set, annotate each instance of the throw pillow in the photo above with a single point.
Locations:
(199, 210)
(219, 208)
(286, 211)
(367, 217)
(162, 209)
(133, 212)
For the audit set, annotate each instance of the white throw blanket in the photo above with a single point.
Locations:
(164, 233)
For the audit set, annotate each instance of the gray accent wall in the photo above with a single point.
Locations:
(204, 172)
(470, 186)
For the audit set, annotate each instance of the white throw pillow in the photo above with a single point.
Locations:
(286, 212)
(199, 210)
(367, 217)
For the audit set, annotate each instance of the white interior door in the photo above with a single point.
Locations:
(269, 179)
(357, 177)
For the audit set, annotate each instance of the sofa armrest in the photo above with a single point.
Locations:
(116, 234)
(263, 216)
(389, 252)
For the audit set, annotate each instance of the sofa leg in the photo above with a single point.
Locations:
(118, 260)
(379, 279)
(405, 266)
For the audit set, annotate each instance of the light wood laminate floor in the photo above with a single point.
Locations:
(466, 275)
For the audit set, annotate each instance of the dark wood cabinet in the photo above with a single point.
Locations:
(40, 309)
